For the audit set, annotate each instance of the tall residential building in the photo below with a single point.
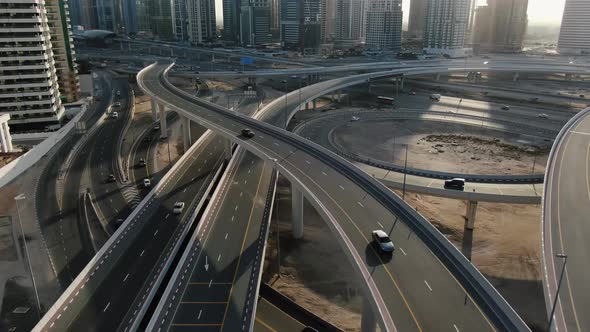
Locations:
(350, 16)
(275, 14)
(444, 30)
(417, 18)
(231, 20)
(574, 37)
(328, 20)
(500, 26)
(201, 20)
(255, 22)
(384, 25)
(180, 17)
(155, 17)
(301, 25)
(29, 90)
(62, 43)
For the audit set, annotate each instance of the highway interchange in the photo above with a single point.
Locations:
(401, 299)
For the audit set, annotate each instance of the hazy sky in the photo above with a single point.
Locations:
(540, 11)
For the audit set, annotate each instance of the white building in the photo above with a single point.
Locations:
(29, 90)
(5, 138)
(384, 25)
(350, 20)
(201, 20)
(444, 29)
(574, 37)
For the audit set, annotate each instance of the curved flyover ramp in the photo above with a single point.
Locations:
(566, 207)
(426, 285)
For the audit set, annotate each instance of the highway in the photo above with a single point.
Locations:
(565, 226)
(402, 288)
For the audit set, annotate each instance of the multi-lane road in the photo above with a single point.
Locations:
(403, 291)
(565, 226)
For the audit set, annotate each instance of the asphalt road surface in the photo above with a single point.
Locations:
(566, 228)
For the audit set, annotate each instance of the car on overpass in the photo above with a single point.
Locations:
(178, 207)
(246, 132)
(383, 240)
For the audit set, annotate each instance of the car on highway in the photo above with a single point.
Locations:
(141, 162)
(111, 178)
(355, 118)
(147, 183)
(147, 139)
(435, 96)
(543, 116)
(455, 184)
(118, 104)
(506, 107)
(118, 92)
(156, 127)
(246, 132)
(383, 240)
(412, 93)
(114, 115)
(178, 207)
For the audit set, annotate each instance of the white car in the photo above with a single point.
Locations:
(117, 104)
(178, 207)
(114, 115)
(383, 241)
(355, 118)
(543, 116)
(147, 183)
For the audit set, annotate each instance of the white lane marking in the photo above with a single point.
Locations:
(200, 312)
(380, 225)
(307, 161)
(427, 285)
(232, 218)
(236, 209)
(341, 187)
(241, 193)
(218, 257)
(361, 204)
(210, 282)
(184, 190)
(105, 308)
(245, 181)
(324, 173)
(580, 133)
(226, 236)
(403, 252)
(141, 253)
(156, 232)
(275, 143)
(456, 328)
(127, 276)
(167, 214)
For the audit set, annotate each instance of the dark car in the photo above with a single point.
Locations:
(147, 139)
(141, 162)
(456, 184)
(247, 133)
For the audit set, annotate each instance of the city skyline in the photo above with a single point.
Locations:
(539, 11)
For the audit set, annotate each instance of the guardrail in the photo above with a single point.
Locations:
(547, 253)
(477, 285)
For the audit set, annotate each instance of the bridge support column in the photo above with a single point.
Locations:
(470, 215)
(397, 86)
(368, 322)
(163, 123)
(154, 109)
(227, 149)
(315, 104)
(403, 78)
(252, 81)
(437, 77)
(515, 77)
(297, 212)
(186, 132)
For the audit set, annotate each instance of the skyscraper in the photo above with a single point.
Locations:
(201, 20)
(349, 22)
(231, 20)
(155, 17)
(574, 37)
(29, 90)
(62, 44)
(180, 18)
(444, 30)
(417, 18)
(384, 25)
(301, 25)
(500, 26)
(255, 17)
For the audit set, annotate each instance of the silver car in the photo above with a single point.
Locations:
(383, 241)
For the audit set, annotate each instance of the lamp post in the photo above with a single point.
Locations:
(405, 173)
(20, 198)
(564, 256)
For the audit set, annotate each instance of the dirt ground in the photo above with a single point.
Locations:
(317, 275)
(444, 146)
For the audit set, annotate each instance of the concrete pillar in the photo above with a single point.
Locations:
(397, 86)
(438, 77)
(186, 132)
(3, 139)
(213, 57)
(339, 95)
(470, 214)
(228, 149)
(7, 136)
(315, 104)
(368, 322)
(307, 106)
(402, 82)
(154, 109)
(297, 212)
(163, 123)
(515, 77)
(370, 86)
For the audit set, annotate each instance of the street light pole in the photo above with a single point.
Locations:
(19, 198)
(405, 173)
(564, 256)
